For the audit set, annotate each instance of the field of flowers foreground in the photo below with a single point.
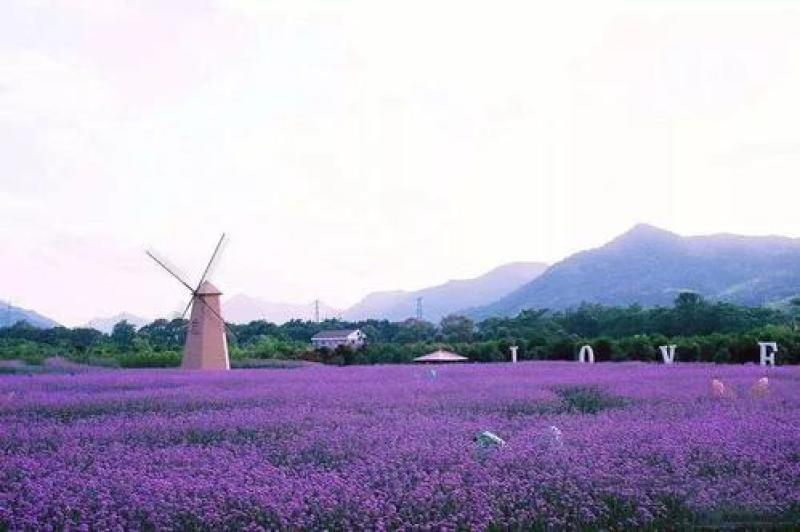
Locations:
(393, 447)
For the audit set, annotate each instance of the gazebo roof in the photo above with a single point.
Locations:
(441, 356)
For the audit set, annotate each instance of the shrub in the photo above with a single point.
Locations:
(260, 363)
(151, 359)
(604, 349)
(562, 349)
(587, 399)
(636, 348)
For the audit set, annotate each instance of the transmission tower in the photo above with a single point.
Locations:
(316, 310)
(419, 309)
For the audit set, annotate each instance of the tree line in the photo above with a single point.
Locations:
(703, 330)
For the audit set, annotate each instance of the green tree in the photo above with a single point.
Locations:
(794, 305)
(165, 334)
(689, 313)
(123, 334)
(457, 328)
(413, 330)
(83, 338)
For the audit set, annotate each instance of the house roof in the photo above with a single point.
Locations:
(339, 334)
(441, 356)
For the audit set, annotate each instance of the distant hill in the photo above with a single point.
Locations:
(650, 266)
(447, 298)
(9, 315)
(106, 325)
(242, 308)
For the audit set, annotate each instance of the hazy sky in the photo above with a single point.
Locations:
(353, 146)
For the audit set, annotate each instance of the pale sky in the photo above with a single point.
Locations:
(353, 146)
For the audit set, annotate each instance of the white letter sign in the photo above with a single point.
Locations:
(768, 350)
(668, 353)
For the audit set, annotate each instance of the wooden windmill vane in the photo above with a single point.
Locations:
(206, 345)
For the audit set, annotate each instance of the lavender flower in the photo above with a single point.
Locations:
(381, 448)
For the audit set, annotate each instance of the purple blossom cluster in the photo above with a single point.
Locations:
(393, 447)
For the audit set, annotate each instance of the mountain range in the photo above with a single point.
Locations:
(645, 265)
(9, 315)
(395, 305)
(650, 266)
(448, 298)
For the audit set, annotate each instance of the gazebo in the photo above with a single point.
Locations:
(440, 356)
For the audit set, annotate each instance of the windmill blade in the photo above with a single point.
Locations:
(216, 314)
(164, 263)
(188, 306)
(211, 262)
(230, 332)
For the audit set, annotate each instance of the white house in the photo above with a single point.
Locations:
(332, 339)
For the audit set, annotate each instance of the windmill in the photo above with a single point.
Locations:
(206, 346)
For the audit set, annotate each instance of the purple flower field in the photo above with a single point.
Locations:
(391, 447)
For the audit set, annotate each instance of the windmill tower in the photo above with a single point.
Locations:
(206, 344)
